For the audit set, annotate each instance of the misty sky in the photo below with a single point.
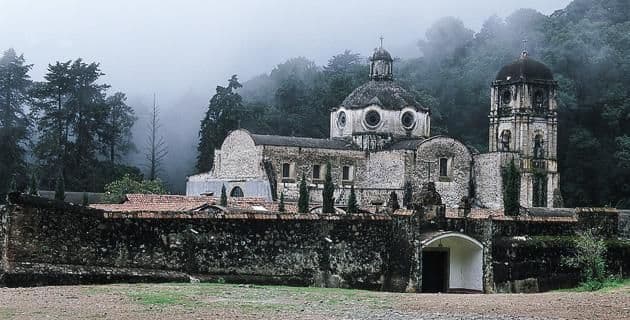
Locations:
(182, 49)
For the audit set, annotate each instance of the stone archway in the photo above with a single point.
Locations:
(452, 262)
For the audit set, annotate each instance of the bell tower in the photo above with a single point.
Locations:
(523, 121)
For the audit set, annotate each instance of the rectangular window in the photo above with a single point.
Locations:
(345, 173)
(316, 171)
(443, 167)
(286, 170)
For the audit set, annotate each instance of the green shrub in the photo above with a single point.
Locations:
(590, 258)
(115, 191)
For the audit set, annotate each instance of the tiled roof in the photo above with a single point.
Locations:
(284, 141)
(173, 203)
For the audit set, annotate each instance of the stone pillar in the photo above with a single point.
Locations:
(488, 270)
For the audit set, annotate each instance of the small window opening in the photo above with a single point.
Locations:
(316, 171)
(345, 174)
(286, 170)
(443, 167)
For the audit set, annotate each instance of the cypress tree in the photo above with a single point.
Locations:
(393, 201)
(511, 184)
(408, 195)
(86, 199)
(60, 189)
(281, 204)
(328, 192)
(303, 200)
(224, 201)
(33, 186)
(352, 201)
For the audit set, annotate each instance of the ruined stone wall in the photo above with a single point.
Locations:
(73, 245)
(455, 185)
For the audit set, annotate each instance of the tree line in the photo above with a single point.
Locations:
(586, 45)
(65, 132)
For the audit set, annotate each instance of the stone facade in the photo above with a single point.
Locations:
(380, 140)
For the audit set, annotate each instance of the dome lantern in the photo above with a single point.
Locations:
(381, 64)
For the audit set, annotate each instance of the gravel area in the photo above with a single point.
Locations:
(225, 301)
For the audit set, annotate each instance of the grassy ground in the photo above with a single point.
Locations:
(610, 285)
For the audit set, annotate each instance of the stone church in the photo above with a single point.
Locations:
(380, 140)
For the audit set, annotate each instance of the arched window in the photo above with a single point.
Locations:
(236, 192)
(539, 184)
(539, 150)
(504, 140)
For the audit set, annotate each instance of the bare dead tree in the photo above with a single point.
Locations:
(156, 146)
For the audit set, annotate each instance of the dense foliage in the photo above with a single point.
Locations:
(587, 46)
(589, 257)
(14, 85)
(116, 190)
(65, 130)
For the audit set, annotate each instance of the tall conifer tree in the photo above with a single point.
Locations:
(221, 117)
(329, 192)
(14, 94)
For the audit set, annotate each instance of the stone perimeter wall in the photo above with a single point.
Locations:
(48, 242)
(79, 245)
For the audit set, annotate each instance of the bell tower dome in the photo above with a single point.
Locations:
(523, 120)
(381, 64)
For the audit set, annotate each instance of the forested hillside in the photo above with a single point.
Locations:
(587, 45)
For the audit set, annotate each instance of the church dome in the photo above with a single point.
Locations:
(386, 94)
(524, 68)
(381, 54)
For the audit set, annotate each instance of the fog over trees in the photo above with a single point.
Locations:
(295, 62)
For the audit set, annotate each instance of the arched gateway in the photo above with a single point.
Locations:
(451, 262)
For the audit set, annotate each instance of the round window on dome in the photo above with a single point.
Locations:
(372, 118)
(408, 120)
(341, 120)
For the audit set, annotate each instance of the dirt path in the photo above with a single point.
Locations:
(216, 301)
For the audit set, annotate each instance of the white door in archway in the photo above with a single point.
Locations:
(465, 260)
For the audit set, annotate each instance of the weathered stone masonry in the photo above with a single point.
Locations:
(47, 242)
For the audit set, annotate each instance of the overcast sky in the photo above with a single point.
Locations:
(182, 49)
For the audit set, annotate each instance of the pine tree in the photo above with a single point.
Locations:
(221, 117)
(408, 195)
(393, 201)
(224, 200)
(303, 200)
(14, 93)
(328, 192)
(120, 118)
(70, 112)
(352, 201)
(156, 145)
(281, 204)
